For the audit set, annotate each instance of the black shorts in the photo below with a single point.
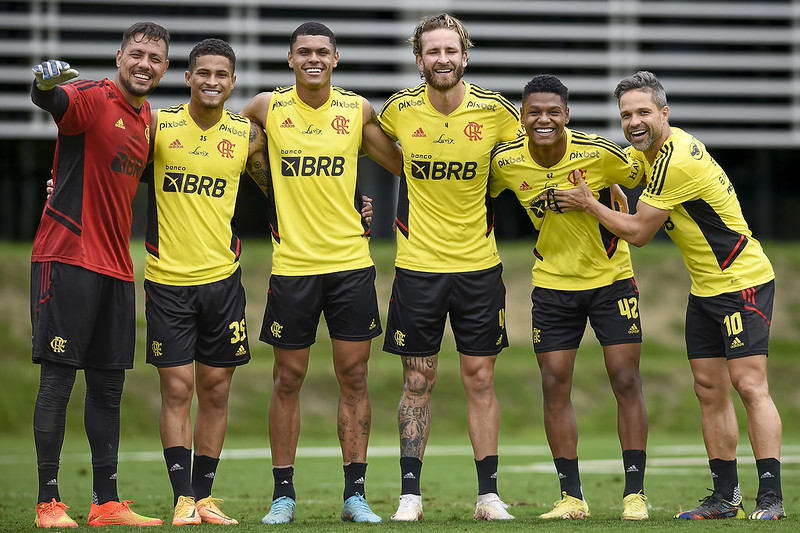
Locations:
(81, 318)
(733, 324)
(558, 317)
(420, 304)
(203, 323)
(294, 305)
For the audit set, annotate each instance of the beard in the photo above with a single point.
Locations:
(136, 90)
(441, 83)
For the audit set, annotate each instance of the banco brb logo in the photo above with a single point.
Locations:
(194, 184)
(295, 167)
(444, 170)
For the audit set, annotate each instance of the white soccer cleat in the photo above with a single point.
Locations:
(491, 507)
(410, 509)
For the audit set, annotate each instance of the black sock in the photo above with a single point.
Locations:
(633, 461)
(410, 470)
(568, 476)
(769, 476)
(354, 475)
(104, 484)
(49, 421)
(179, 468)
(204, 469)
(726, 479)
(101, 421)
(284, 482)
(487, 474)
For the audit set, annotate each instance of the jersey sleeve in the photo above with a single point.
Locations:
(386, 119)
(620, 168)
(84, 99)
(670, 186)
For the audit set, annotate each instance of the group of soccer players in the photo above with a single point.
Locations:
(452, 144)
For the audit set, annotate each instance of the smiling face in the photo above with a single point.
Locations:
(211, 81)
(545, 115)
(442, 61)
(313, 58)
(142, 63)
(643, 123)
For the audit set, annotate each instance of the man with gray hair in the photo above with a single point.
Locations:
(730, 303)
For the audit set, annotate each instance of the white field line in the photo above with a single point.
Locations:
(661, 459)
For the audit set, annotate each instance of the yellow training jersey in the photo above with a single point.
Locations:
(316, 221)
(190, 240)
(573, 251)
(444, 217)
(706, 219)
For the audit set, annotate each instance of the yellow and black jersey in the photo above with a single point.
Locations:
(315, 220)
(444, 217)
(190, 239)
(573, 251)
(705, 219)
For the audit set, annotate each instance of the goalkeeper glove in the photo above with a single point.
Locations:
(53, 72)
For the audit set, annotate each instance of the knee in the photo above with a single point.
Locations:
(555, 384)
(751, 390)
(288, 380)
(419, 383)
(480, 382)
(626, 383)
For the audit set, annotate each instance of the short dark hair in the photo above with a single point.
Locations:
(545, 83)
(645, 81)
(212, 47)
(150, 32)
(435, 22)
(312, 28)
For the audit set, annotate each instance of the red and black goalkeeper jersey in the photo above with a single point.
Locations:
(101, 150)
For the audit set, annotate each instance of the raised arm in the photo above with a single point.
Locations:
(377, 145)
(638, 228)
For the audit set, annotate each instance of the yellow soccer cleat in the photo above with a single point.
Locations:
(634, 507)
(568, 507)
(185, 512)
(211, 514)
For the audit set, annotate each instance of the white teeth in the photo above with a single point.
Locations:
(141, 76)
(314, 70)
(544, 131)
(211, 92)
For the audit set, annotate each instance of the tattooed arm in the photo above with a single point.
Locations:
(257, 162)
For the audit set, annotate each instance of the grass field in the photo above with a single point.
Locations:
(677, 471)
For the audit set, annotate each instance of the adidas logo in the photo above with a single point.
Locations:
(53, 482)
(633, 330)
(714, 475)
(175, 144)
(113, 476)
(766, 475)
(241, 351)
(409, 475)
(561, 476)
(632, 468)
(525, 186)
(284, 482)
(419, 133)
(175, 467)
(736, 343)
(120, 124)
(210, 475)
(287, 123)
(359, 481)
(493, 476)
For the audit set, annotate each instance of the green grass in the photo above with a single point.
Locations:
(676, 478)
(527, 480)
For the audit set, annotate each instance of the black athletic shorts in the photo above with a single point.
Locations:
(82, 318)
(204, 323)
(294, 304)
(420, 304)
(558, 317)
(733, 324)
